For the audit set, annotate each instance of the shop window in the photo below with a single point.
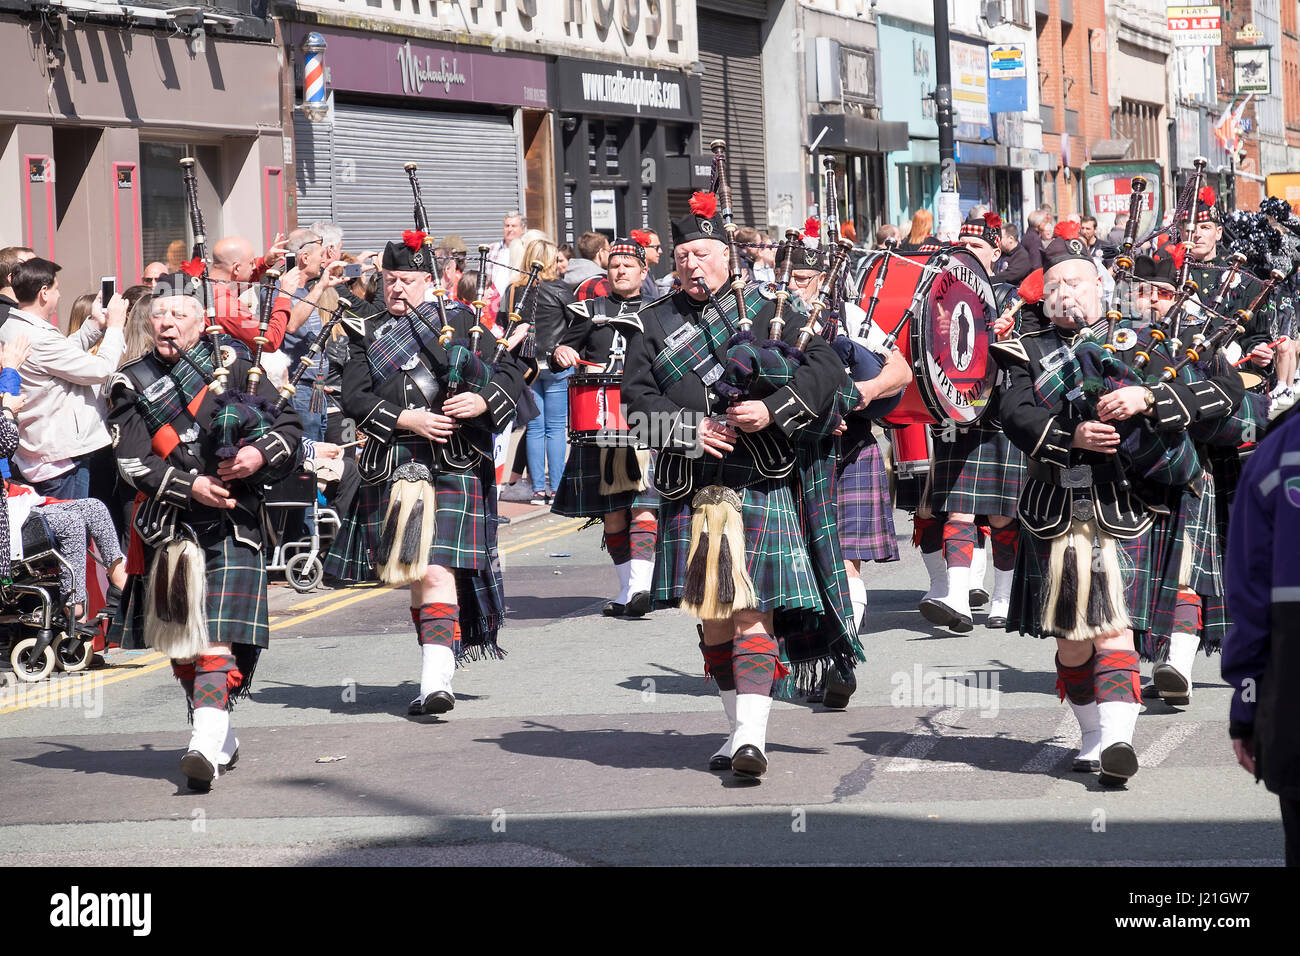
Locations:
(165, 234)
(73, 148)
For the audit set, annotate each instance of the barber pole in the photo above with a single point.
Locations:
(314, 106)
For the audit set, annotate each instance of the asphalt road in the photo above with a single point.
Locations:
(589, 744)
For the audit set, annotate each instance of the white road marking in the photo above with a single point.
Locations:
(911, 759)
(1066, 737)
(1166, 744)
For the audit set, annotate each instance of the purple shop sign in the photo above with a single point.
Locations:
(404, 66)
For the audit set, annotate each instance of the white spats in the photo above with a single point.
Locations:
(858, 598)
(1090, 728)
(230, 746)
(211, 726)
(624, 572)
(1182, 654)
(729, 708)
(938, 571)
(959, 583)
(1000, 602)
(1118, 718)
(751, 722)
(979, 562)
(439, 665)
(640, 578)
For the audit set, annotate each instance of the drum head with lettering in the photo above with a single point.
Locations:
(955, 371)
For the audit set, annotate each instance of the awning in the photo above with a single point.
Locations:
(1110, 149)
(848, 133)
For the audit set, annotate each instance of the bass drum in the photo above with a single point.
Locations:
(947, 339)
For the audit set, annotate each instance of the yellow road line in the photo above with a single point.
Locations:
(327, 596)
(78, 684)
(138, 667)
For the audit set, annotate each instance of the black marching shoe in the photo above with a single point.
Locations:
(439, 702)
(839, 688)
(199, 773)
(936, 612)
(638, 605)
(748, 761)
(614, 609)
(719, 762)
(1085, 766)
(978, 597)
(1170, 685)
(996, 623)
(1118, 762)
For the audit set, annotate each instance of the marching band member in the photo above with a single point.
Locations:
(427, 517)
(1075, 506)
(198, 522)
(614, 484)
(977, 473)
(747, 539)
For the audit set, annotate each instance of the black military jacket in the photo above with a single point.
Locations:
(599, 330)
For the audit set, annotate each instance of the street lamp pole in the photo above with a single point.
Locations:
(948, 205)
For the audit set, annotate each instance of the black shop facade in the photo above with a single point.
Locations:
(628, 153)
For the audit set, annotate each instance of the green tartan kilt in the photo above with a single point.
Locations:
(236, 604)
(980, 472)
(460, 528)
(579, 493)
(776, 553)
(1188, 530)
(1029, 585)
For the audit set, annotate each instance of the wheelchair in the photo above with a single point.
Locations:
(39, 627)
(300, 558)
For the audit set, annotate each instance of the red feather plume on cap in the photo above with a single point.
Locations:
(703, 204)
(1206, 195)
(193, 268)
(641, 237)
(812, 227)
(993, 220)
(1031, 288)
(414, 238)
(1178, 253)
(1066, 230)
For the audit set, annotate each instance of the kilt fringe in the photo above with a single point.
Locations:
(1085, 597)
(582, 493)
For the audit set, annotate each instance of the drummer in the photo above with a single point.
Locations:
(611, 481)
(977, 474)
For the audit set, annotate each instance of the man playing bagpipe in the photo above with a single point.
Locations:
(198, 451)
(1182, 610)
(977, 474)
(864, 511)
(612, 481)
(429, 399)
(1083, 504)
(747, 537)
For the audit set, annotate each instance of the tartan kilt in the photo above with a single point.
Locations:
(236, 604)
(579, 493)
(1189, 530)
(1226, 466)
(979, 473)
(460, 527)
(865, 513)
(1029, 585)
(776, 553)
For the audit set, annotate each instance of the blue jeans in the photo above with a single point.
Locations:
(548, 433)
(69, 486)
(313, 423)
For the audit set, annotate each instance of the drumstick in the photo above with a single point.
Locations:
(591, 364)
(1246, 358)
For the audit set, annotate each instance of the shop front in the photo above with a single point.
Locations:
(95, 119)
(628, 150)
(475, 123)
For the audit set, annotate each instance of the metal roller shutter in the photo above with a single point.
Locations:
(313, 170)
(731, 108)
(468, 168)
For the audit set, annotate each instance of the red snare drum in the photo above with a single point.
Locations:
(595, 409)
(946, 342)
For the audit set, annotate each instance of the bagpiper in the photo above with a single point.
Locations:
(612, 479)
(424, 386)
(747, 537)
(198, 451)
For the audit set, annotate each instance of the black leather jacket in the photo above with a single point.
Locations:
(550, 318)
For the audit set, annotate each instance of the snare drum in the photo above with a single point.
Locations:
(947, 340)
(911, 448)
(596, 414)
